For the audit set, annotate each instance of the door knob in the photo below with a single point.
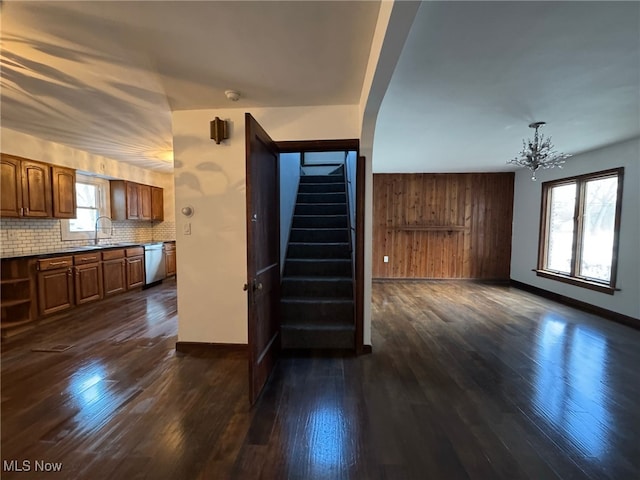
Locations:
(258, 286)
(245, 287)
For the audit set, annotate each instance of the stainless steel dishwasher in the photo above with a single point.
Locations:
(154, 262)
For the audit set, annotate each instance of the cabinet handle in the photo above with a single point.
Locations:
(88, 259)
(53, 264)
(26, 209)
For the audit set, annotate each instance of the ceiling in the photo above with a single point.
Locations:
(473, 75)
(105, 76)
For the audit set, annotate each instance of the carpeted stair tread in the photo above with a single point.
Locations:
(317, 301)
(319, 250)
(315, 278)
(319, 235)
(337, 178)
(321, 187)
(318, 267)
(317, 287)
(331, 197)
(318, 337)
(321, 327)
(321, 208)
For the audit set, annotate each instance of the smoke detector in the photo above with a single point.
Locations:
(232, 95)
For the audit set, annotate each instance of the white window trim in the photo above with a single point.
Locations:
(104, 208)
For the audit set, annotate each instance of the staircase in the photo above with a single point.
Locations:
(317, 308)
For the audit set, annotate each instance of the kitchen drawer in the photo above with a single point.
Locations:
(56, 262)
(113, 254)
(85, 258)
(169, 246)
(135, 251)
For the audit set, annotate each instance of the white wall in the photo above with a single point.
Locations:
(289, 181)
(212, 260)
(526, 222)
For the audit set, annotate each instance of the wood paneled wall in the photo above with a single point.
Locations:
(442, 225)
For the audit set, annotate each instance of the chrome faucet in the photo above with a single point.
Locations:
(96, 226)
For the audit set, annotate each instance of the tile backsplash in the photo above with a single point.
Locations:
(27, 236)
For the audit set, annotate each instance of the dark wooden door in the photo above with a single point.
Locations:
(263, 254)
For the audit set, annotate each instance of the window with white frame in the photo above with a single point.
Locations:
(580, 229)
(92, 197)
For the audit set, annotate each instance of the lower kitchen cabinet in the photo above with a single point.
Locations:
(170, 258)
(37, 287)
(114, 272)
(135, 267)
(88, 277)
(55, 284)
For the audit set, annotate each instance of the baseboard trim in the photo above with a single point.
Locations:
(203, 349)
(488, 281)
(572, 302)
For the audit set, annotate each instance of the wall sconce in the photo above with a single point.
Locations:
(219, 130)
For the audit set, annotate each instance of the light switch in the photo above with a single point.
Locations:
(385, 259)
(186, 229)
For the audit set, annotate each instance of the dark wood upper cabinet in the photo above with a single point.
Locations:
(157, 204)
(124, 200)
(36, 189)
(134, 201)
(26, 188)
(144, 202)
(11, 187)
(64, 192)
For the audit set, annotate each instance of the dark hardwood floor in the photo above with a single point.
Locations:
(466, 381)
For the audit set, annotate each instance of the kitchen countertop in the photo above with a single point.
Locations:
(80, 249)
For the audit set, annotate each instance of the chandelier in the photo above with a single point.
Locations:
(538, 153)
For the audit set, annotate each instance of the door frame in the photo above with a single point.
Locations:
(296, 146)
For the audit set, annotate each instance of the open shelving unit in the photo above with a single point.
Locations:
(16, 299)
